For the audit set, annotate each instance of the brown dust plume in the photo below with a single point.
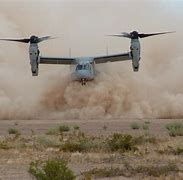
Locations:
(156, 91)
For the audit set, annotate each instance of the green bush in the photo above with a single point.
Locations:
(57, 130)
(52, 131)
(51, 170)
(63, 128)
(4, 145)
(74, 146)
(145, 127)
(13, 131)
(122, 143)
(179, 151)
(82, 143)
(76, 127)
(175, 129)
(135, 125)
(79, 144)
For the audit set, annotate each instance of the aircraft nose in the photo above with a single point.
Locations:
(83, 74)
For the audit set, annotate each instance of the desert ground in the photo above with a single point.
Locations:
(36, 140)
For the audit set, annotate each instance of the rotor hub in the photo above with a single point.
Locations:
(33, 39)
(134, 35)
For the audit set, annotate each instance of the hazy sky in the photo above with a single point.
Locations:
(82, 25)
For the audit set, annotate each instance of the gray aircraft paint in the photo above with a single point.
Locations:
(84, 66)
(34, 55)
(135, 53)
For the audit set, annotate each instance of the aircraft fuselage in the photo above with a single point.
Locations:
(83, 70)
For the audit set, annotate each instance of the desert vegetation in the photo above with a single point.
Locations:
(175, 129)
(51, 170)
(135, 125)
(67, 152)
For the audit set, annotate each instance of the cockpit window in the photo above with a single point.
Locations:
(87, 66)
(83, 67)
(79, 67)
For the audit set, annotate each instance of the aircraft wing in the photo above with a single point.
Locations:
(55, 60)
(113, 58)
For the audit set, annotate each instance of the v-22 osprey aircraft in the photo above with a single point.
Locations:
(84, 69)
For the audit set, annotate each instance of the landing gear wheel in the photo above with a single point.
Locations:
(83, 82)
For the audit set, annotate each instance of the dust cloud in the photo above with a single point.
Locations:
(156, 91)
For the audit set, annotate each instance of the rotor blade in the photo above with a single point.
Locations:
(26, 40)
(45, 38)
(153, 34)
(125, 34)
(120, 35)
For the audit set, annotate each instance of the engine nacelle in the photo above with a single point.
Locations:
(34, 58)
(135, 54)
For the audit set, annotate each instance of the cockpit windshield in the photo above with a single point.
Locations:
(83, 67)
(79, 67)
